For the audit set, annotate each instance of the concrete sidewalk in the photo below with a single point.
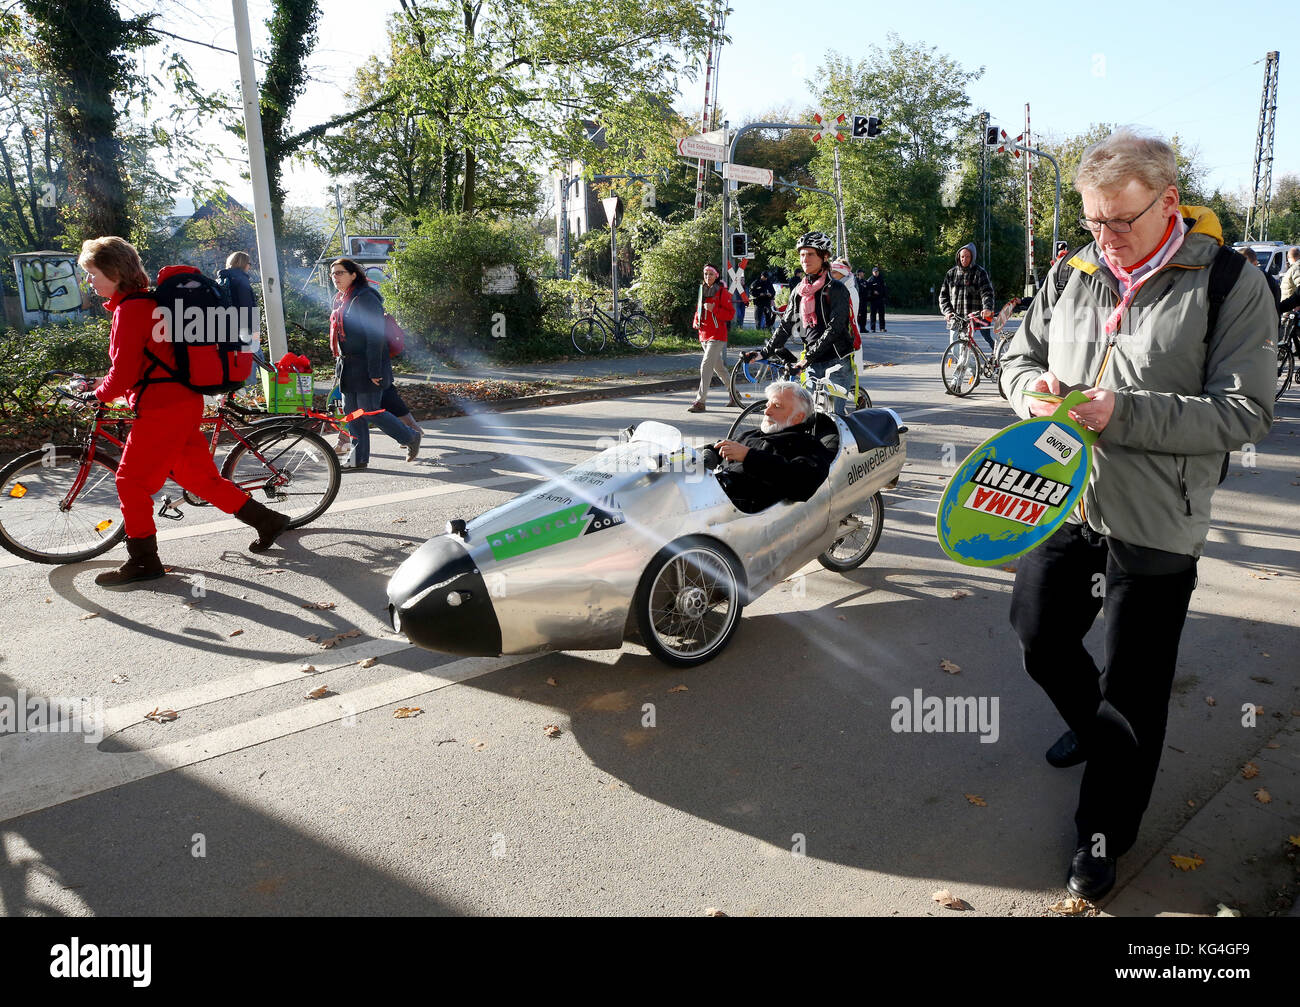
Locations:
(1244, 844)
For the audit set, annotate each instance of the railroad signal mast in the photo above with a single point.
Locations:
(1261, 191)
(710, 112)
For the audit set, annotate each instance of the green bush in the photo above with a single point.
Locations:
(437, 290)
(80, 346)
(670, 271)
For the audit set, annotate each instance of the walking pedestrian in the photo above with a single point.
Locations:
(165, 438)
(714, 309)
(762, 293)
(363, 367)
(1174, 382)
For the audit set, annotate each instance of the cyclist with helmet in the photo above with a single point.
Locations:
(819, 311)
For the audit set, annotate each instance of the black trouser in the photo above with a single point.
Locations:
(1118, 713)
(877, 311)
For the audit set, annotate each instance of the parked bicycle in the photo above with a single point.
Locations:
(590, 332)
(964, 363)
(59, 503)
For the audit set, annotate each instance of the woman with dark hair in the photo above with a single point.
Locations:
(364, 369)
(165, 437)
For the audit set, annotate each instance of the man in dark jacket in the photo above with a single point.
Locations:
(876, 292)
(966, 289)
(819, 310)
(762, 292)
(782, 460)
(1274, 288)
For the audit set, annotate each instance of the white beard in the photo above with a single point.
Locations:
(770, 426)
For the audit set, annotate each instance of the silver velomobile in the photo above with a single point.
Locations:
(640, 539)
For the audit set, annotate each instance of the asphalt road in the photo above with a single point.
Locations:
(783, 743)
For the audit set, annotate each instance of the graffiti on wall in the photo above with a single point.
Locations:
(48, 287)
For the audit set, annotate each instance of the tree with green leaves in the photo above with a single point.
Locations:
(484, 74)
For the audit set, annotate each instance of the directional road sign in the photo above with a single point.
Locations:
(744, 173)
(691, 146)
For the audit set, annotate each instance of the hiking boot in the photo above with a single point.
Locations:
(413, 448)
(266, 522)
(698, 407)
(141, 564)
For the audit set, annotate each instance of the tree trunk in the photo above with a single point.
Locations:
(467, 198)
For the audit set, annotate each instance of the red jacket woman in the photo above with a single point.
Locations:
(165, 438)
(714, 310)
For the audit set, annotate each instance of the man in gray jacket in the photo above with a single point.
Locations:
(1169, 400)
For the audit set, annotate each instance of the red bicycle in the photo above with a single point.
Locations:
(58, 504)
(964, 363)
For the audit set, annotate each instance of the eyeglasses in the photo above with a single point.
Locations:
(1118, 225)
(340, 272)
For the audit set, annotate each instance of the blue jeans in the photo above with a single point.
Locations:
(368, 399)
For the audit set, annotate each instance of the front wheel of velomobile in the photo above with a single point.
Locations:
(689, 601)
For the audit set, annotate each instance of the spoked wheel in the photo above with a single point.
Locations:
(960, 368)
(638, 331)
(688, 603)
(1285, 369)
(749, 381)
(859, 534)
(750, 418)
(587, 336)
(43, 520)
(299, 477)
(864, 400)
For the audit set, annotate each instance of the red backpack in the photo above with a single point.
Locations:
(395, 335)
(213, 344)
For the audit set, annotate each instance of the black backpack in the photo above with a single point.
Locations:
(1224, 271)
(213, 354)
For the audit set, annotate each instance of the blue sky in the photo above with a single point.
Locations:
(1199, 76)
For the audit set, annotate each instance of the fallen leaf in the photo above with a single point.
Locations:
(1186, 863)
(679, 688)
(1263, 796)
(236, 632)
(946, 899)
(1070, 907)
(841, 618)
(551, 731)
(1009, 568)
(1261, 679)
(330, 641)
(1295, 713)
(49, 601)
(1249, 771)
(369, 662)
(1191, 804)
(1259, 711)
(312, 638)
(949, 667)
(161, 716)
(319, 605)
(1258, 576)
(976, 800)
(403, 712)
(1209, 701)
(711, 911)
(477, 745)
(119, 679)
(552, 682)
(307, 669)
(398, 520)
(960, 594)
(1293, 840)
(1272, 744)
(320, 693)
(88, 615)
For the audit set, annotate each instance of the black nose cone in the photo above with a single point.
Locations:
(438, 599)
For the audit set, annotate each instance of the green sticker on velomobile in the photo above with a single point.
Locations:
(1017, 488)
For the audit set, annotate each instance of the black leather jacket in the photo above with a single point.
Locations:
(830, 338)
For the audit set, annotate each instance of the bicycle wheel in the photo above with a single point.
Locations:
(864, 400)
(750, 418)
(38, 521)
(1285, 369)
(588, 336)
(638, 331)
(299, 477)
(960, 367)
(860, 534)
(748, 382)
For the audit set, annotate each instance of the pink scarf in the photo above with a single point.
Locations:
(1129, 283)
(808, 300)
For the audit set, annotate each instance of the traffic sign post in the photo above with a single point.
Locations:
(692, 146)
